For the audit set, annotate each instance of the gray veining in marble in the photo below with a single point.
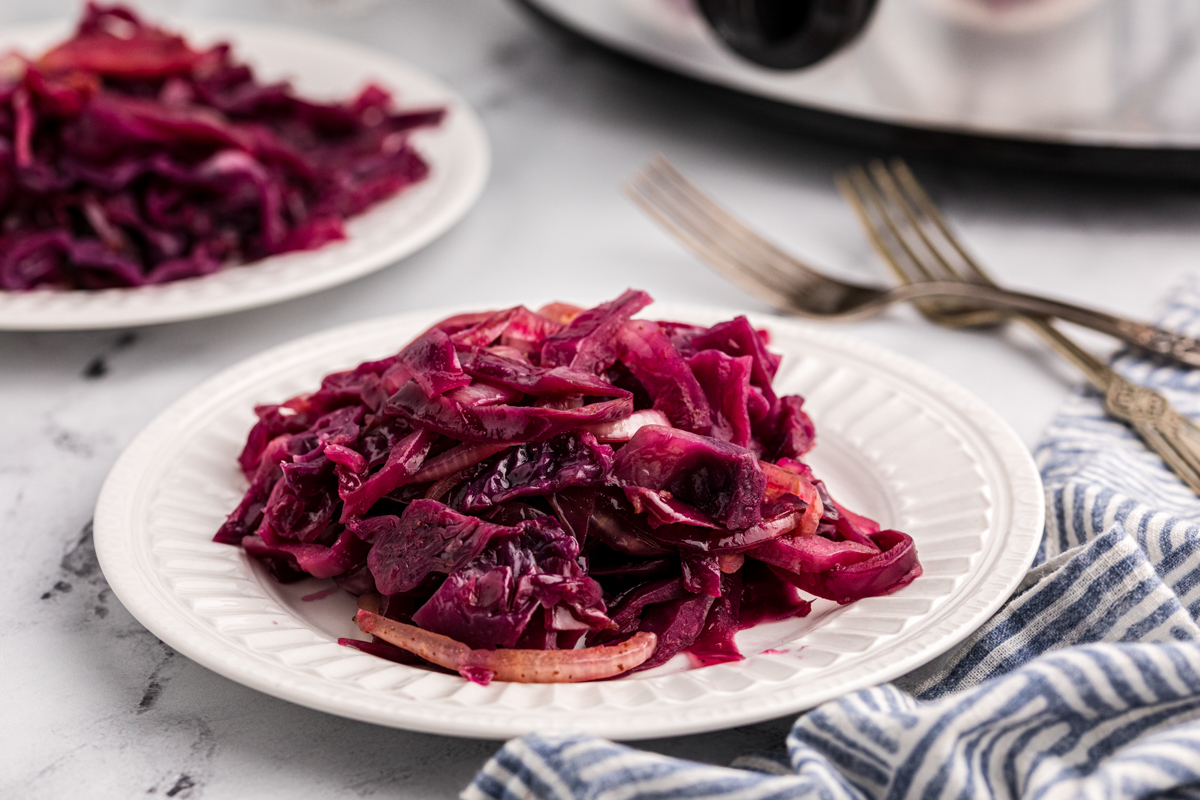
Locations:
(94, 706)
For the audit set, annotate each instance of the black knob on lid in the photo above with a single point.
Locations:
(786, 34)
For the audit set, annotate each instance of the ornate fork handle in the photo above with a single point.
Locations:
(1184, 349)
(1173, 436)
(1135, 404)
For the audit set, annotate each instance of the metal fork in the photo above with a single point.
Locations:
(789, 284)
(914, 239)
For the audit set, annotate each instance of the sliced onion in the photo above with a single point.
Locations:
(439, 488)
(730, 563)
(518, 666)
(660, 508)
(781, 481)
(508, 352)
(456, 459)
(483, 393)
(352, 460)
(562, 313)
(812, 517)
(623, 429)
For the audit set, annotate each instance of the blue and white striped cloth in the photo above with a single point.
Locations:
(1085, 685)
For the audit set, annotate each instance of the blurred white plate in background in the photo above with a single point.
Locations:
(457, 152)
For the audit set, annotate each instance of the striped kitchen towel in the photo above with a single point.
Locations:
(1086, 684)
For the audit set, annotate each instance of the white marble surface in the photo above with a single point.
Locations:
(94, 706)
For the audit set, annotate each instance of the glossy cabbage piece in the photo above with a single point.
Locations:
(318, 560)
(427, 538)
(516, 481)
(846, 573)
(589, 343)
(715, 643)
(131, 158)
(725, 381)
(490, 601)
(677, 624)
(432, 363)
(649, 355)
(534, 380)
(537, 469)
(499, 423)
(718, 479)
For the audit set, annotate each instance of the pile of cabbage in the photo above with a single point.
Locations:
(567, 480)
(127, 158)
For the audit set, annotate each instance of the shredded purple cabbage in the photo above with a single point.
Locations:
(128, 158)
(507, 480)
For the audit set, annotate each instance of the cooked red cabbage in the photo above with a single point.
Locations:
(537, 468)
(540, 480)
(428, 537)
(129, 157)
(718, 479)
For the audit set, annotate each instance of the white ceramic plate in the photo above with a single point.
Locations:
(896, 441)
(323, 68)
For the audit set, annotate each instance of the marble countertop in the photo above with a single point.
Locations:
(95, 706)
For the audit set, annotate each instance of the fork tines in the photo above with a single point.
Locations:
(712, 233)
(904, 225)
